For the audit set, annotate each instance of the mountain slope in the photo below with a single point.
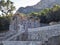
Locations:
(46, 4)
(39, 6)
(27, 10)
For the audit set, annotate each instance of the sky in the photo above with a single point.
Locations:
(23, 3)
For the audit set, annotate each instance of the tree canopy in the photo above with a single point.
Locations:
(6, 7)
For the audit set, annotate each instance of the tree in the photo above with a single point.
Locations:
(6, 7)
(50, 15)
(54, 14)
(34, 15)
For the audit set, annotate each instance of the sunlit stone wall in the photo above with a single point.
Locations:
(43, 33)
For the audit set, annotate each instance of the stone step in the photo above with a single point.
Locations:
(22, 43)
(4, 36)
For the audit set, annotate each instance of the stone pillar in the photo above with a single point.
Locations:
(25, 34)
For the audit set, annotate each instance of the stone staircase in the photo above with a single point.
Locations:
(40, 34)
(10, 35)
(34, 34)
(6, 35)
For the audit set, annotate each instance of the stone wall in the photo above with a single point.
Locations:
(39, 33)
(55, 40)
(43, 33)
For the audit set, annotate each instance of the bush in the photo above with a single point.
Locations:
(4, 23)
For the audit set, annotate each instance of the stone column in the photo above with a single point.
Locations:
(25, 34)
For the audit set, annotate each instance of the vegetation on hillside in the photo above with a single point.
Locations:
(48, 15)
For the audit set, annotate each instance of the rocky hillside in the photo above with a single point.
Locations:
(27, 9)
(46, 4)
(39, 6)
